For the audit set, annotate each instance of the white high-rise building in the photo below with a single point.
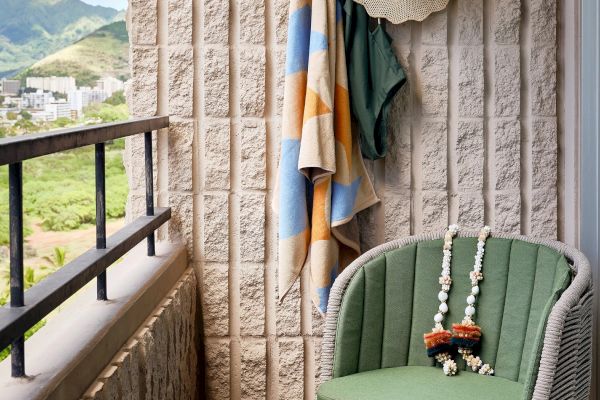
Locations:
(109, 85)
(58, 109)
(60, 84)
(10, 87)
(38, 99)
(84, 96)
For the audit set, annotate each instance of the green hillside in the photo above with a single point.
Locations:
(103, 52)
(33, 29)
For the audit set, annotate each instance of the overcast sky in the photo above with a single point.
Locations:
(118, 4)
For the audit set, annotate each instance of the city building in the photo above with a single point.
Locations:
(84, 96)
(37, 99)
(10, 87)
(109, 85)
(60, 84)
(58, 109)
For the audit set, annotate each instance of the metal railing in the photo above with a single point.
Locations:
(28, 308)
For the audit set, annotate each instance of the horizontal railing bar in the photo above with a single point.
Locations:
(19, 148)
(47, 295)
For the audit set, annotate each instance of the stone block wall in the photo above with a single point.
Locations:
(160, 360)
(477, 137)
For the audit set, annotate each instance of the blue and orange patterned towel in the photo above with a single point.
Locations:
(322, 181)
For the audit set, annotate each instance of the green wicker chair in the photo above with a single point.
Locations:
(535, 310)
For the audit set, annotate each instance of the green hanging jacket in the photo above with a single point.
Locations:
(374, 77)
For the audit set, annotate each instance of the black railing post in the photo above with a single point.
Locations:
(100, 216)
(17, 285)
(149, 187)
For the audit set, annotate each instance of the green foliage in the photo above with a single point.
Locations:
(3, 132)
(59, 257)
(27, 126)
(61, 122)
(25, 115)
(2, 99)
(103, 52)
(30, 30)
(11, 116)
(106, 112)
(59, 189)
(116, 98)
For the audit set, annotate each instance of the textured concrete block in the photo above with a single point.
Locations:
(291, 369)
(254, 164)
(434, 29)
(542, 72)
(181, 224)
(397, 216)
(470, 21)
(134, 160)
(216, 21)
(367, 220)
(398, 158)
(252, 82)
(252, 21)
(435, 211)
(507, 209)
(288, 312)
(217, 370)
(280, 58)
(215, 300)
(216, 82)
(181, 135)
(216, 154)
(252, 300)
(144, 22)
(402, 103)
(470, 82)
(434, 161)
(543, 21)
(318, 343)
(507, 15)
(470, 154)
(400, 32)
(144, 81)
(544, 158)
(544, 213)
(252, 227)
(507, 84)
(253, 369)
(471, 210)
(434, 72)
(216, 228)
(507, 135)
(281, 20)
(317, 321)
(181, 78)
(180, 22)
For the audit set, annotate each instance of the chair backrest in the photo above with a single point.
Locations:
(390, 303)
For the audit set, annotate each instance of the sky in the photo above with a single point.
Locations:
(118, 4)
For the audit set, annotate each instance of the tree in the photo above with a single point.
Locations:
(61, 122)
(3, 132)
(116, 98)
(25, 115)
(2, 99)
(11, 116)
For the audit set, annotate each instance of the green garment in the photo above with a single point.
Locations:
(374, 77)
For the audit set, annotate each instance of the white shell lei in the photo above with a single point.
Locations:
(449, 365)
(476, 276)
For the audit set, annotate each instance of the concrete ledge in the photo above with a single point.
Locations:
(66, 356)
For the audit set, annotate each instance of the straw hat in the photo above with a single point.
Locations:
(398, 11)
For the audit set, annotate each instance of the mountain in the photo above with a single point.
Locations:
(104, 52)
(33, 29)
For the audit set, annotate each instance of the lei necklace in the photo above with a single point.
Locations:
(438, 341)
(466, 335)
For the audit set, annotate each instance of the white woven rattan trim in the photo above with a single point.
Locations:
(399, 11)
(569, 300)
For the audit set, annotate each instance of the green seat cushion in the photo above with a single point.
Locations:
(390, 303)
(418, 383)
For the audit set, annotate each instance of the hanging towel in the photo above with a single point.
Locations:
(322, 181)
(375, 76)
